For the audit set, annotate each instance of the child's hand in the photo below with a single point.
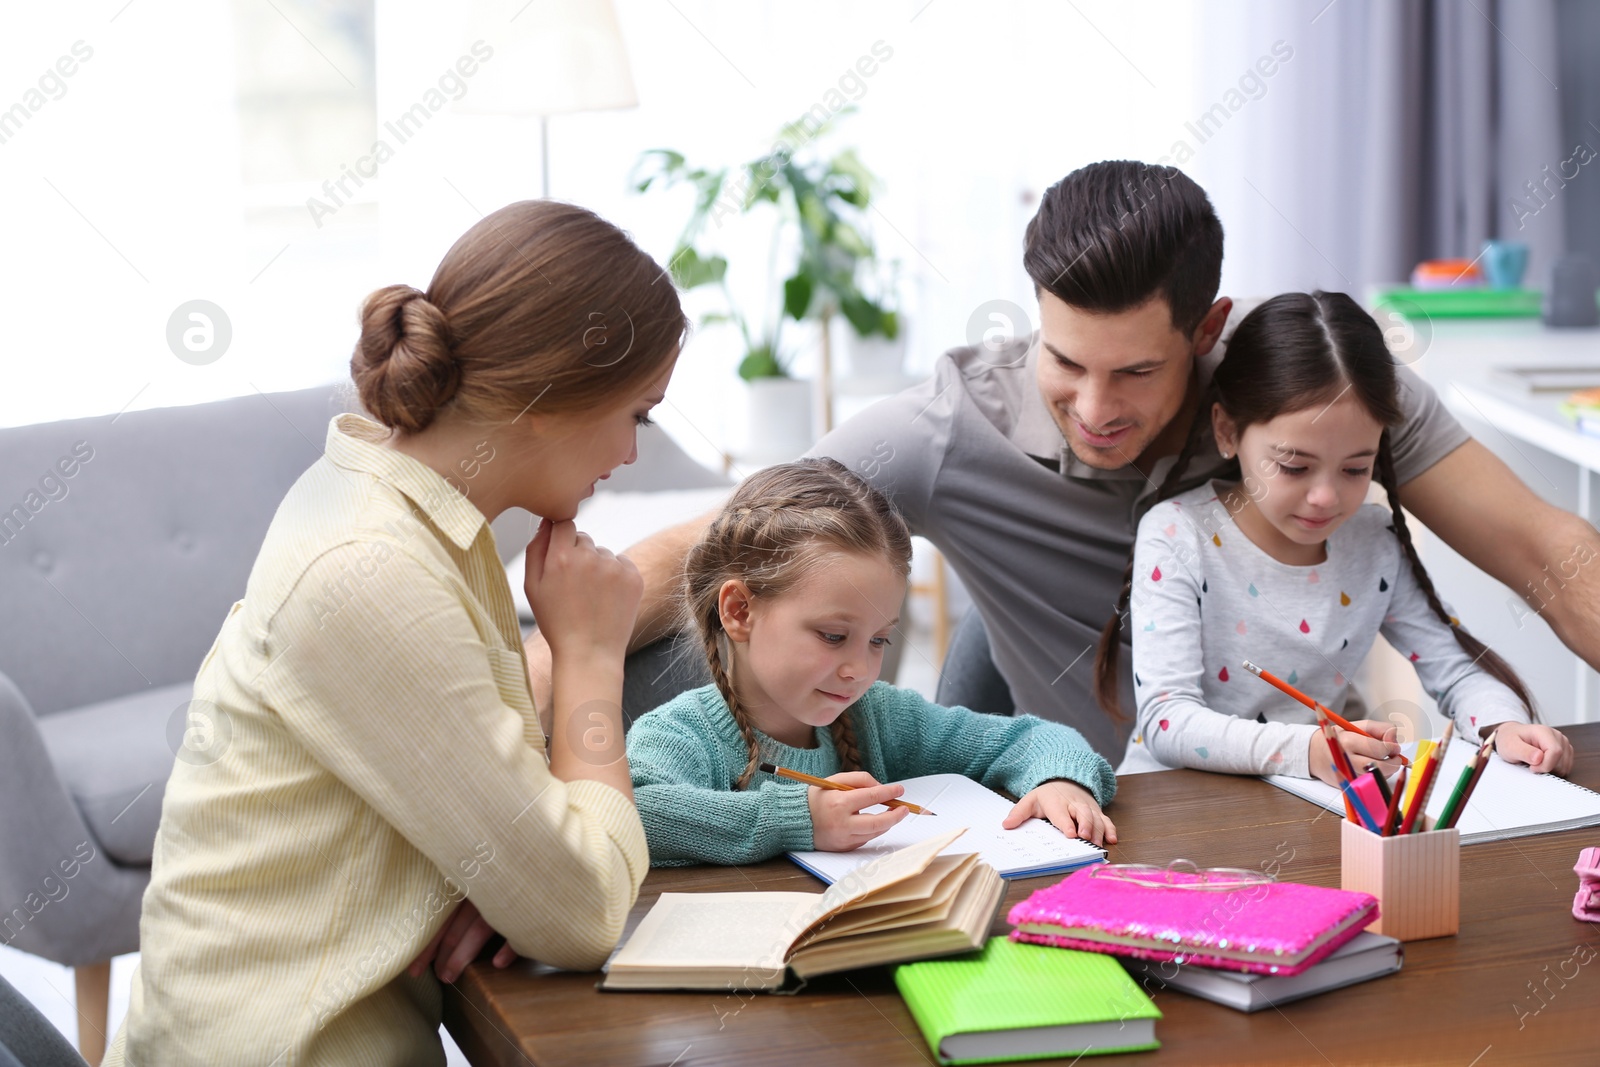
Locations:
(835, 824)
(1361, 750)
(1545, 750)
(457, 944)
(1069, 806)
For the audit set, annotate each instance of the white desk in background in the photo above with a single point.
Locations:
(1527, 430)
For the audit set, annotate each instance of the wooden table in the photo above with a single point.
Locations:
(1463, 1000)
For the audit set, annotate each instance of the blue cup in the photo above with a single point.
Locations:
(1504, 263)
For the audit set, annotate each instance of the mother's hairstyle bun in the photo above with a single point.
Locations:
(541, 303)
(403, 366)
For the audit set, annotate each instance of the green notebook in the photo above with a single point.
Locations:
(1014, 1001)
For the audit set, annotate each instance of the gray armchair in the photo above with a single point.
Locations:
(123, 542)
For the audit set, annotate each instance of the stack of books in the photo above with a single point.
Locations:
(1073, 976)
(1235, 923)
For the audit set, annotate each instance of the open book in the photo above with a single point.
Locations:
(1034, 848)
(907, 905)
(1510, 800)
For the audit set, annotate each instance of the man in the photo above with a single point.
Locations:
(1029, 466)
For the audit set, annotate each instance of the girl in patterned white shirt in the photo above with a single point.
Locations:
(1286, 565)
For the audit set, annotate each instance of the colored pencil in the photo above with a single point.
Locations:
(1417, 818)
(1341, 758)
(811, 779)
(1391, 820)
(1336, 754)
(1424, 747)
(1426, 771)
(1458, 800)
(1338, 720)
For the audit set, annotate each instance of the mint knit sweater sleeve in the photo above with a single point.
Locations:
(912, 736)
(683, 763)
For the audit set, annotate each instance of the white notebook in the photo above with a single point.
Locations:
(1510, 800)
(1034, 848)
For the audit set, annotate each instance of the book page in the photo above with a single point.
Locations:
(1510, 800)
(937, 888)
(885, 868)
(684, 930)
(959, 801)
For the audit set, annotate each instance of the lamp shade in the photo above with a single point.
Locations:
(552, 58)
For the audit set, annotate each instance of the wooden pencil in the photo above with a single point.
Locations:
(1417, 819)
(1322, 709)
(811, 779)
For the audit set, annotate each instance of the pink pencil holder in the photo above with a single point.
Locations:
(1416, 878)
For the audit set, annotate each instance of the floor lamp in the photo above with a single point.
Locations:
(554, 57)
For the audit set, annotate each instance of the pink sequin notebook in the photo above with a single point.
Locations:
(1260, 927)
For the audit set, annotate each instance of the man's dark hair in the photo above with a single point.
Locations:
(1111, 235)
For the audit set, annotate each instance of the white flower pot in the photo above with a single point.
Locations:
(874, 357)
(778, 420)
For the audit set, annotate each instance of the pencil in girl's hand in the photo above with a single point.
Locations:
(1322, 709)
(811, 779)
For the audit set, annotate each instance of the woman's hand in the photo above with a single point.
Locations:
(1381, 748)
(584, 597)
(457, 944)
(1544, 749)
(1069, 806)
(836, 825)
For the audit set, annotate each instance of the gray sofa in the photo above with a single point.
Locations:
(124, 540)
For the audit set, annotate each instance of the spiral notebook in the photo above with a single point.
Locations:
(1510, 800)
(1034, 848)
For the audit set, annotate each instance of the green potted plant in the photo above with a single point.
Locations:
(817, 206)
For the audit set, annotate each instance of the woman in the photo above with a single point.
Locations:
(384, 759)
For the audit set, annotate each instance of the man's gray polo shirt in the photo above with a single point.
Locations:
(977, 465)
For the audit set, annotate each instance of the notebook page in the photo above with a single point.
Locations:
(1510, 800)
(959, 801)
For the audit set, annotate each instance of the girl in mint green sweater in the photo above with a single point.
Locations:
(795, 590)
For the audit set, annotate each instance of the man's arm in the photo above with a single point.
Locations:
(1547, 556)
(659, 559)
